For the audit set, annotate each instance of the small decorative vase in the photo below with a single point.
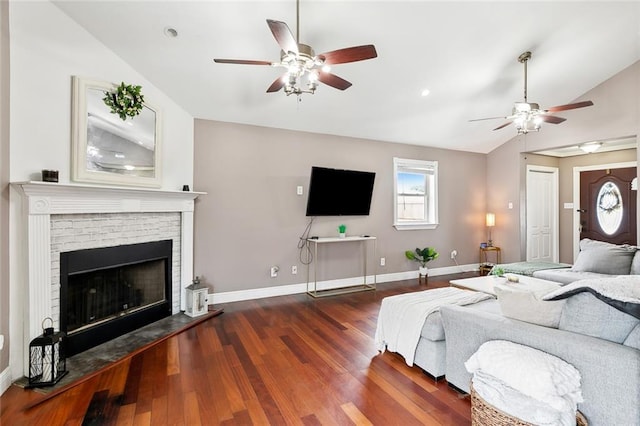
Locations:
(342, 235)
(423, 271)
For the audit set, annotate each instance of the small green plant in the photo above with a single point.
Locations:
(422, 256)
(342, 229)
(498, 271)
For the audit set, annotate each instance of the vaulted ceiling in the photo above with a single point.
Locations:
(464, 53)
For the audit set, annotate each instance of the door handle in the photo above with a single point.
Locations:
(581, 210)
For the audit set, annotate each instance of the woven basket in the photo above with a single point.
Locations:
(483, 414)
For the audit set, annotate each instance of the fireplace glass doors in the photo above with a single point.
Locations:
(107, 292)
(99, 296)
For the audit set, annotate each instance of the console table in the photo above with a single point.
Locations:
(364, 241)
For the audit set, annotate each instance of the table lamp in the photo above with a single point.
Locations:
(491, 222)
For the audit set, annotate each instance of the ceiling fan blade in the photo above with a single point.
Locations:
(569, 106)
(277, 84)
(349, 54)
(488, 118)
(241, 62)
(502, 126)
(283, 36)
(552, 119)
(334, 81)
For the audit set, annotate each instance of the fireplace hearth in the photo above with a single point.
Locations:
(107, 292)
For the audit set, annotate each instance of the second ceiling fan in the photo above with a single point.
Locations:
(527, 116)
(301, 63)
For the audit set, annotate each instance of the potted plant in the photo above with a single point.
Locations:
(497, 271)
(422, 256)
(342, 231)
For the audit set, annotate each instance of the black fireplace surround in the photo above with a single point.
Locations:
(107, 292)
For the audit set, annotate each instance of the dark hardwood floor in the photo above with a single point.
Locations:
(281, 360)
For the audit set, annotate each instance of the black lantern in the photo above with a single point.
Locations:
(47, 364)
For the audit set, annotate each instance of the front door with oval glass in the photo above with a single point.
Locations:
(608, 205)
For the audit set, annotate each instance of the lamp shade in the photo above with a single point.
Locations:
(491, 219)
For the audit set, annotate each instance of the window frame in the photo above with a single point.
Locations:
(427, 167)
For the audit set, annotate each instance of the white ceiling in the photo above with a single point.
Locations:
(465, 53)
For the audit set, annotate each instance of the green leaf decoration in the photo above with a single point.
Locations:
(126, 101)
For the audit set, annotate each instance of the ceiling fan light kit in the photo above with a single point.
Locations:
(590, 147)
(527, 116)
(304, 69)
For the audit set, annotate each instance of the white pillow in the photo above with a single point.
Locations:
(528, 306)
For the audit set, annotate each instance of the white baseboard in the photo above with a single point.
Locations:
(5, 380)
(285, 290)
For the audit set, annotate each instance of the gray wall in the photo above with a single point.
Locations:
(4, 181)
(615, 114)
(252, 218)
(503, 168)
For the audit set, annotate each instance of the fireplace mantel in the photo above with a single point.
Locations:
(55, 198)
(41, 200)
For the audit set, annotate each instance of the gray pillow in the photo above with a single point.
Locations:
(604, 258)
(585, 314)
(588, 244)
(633, 339)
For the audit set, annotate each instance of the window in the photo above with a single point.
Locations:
(415, 194)
(609, 208)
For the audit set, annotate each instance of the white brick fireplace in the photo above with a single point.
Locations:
(63, 217)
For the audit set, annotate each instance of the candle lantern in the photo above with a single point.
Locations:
(196, 299)
(47, 364)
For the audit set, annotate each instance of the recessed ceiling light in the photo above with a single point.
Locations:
(425, 92)
(171, 32)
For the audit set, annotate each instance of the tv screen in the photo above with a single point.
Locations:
(335, 192)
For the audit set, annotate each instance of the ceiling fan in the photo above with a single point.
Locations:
(303, 67)
(527, 116)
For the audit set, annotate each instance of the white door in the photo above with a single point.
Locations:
(542, 214)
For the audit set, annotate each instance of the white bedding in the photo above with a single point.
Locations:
(517, 404)
(547, 379)
(402, 317)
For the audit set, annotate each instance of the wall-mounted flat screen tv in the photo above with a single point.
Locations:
(335, 192)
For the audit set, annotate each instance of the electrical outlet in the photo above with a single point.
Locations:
(454, 253)
(299, 190)
(274, 271)
(294, 270)
(383, 261)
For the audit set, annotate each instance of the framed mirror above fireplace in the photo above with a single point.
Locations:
(109, 150)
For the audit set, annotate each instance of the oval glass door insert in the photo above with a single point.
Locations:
(609, 208)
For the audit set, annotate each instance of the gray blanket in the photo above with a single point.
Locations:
(528, 268)
(622, 292)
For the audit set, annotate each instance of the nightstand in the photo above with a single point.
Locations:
(486, 254)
